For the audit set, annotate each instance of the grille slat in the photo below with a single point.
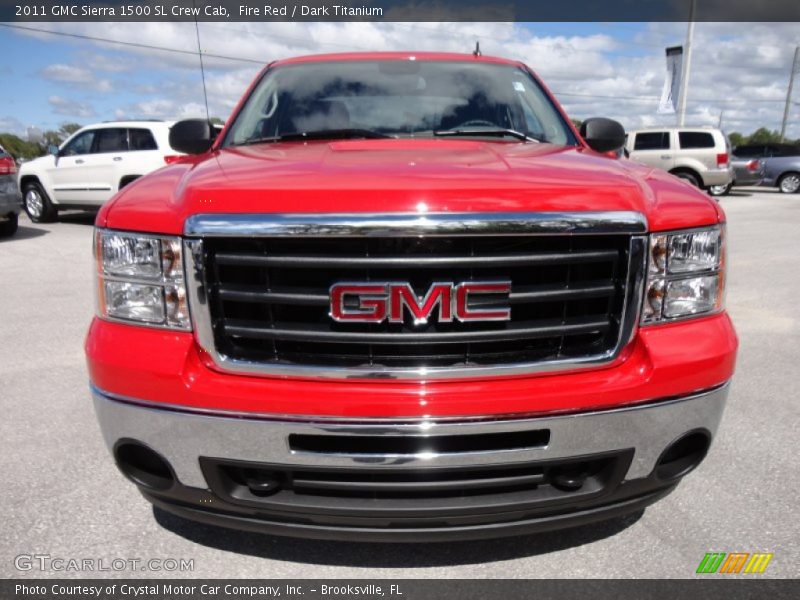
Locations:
(319, 334)
(403, 262)
(252, 293)
(269, 298)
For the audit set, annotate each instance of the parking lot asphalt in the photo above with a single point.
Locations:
(63, 497)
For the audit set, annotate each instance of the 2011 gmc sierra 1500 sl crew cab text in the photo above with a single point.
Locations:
(399, 297)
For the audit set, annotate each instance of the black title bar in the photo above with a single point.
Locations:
(401, 10)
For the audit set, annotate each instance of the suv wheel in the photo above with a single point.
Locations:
(720, 190)
(37, 204)
(9, 226)
(789, 183)
(688, 177)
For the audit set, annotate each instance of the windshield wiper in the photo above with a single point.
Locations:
(322, 134)
(498, 132)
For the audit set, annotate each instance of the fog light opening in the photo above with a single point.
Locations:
(143, 466)
(683, 455)
(570, 479)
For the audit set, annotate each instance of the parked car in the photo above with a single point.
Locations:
(746, 171)
(10, 201)
(781, 164)
(401, 297)
(699, 156)
(92, 165)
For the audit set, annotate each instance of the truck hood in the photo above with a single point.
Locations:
(404, 176)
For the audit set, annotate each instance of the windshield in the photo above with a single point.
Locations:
(398, 98)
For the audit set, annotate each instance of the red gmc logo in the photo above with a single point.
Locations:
(378, 302)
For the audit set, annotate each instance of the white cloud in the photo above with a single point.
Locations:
(71, 108)
(77, 77)
(106, 62)
(739, 68)
(13, 125)
(161, 108)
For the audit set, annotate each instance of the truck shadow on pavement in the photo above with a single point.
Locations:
(373, 555)
(24, 233)
(86, 217)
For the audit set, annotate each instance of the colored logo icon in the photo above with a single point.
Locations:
(734, 563)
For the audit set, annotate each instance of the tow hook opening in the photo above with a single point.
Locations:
(683, 455)
(143, 466)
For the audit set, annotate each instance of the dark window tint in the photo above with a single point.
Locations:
(658, 140)
(749, 151)
(397, 98)
(111, 140)
(695, 139)
(79, 145)
(783, 150)
(141, 139)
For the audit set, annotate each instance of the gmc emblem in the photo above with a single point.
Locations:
(378, 302)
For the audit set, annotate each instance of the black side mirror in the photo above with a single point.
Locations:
(603, 135)
(192, 136)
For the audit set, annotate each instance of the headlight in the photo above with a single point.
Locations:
(685, 274)
(140, 279)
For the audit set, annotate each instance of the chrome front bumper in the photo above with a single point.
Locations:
(182, 437)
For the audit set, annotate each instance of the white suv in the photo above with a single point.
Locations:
(92, 165)
(700, 156)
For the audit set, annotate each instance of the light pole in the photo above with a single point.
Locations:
(789, 92)
(687, 65)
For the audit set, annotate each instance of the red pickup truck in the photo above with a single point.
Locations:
(400, 297)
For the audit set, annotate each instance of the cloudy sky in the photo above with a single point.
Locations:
(739, 70)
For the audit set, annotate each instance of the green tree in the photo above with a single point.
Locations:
(762, 135)
(577, 123)
(19, 148)
(67, 129)
(52, 137)
(737, 139)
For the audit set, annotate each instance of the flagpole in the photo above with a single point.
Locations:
(687, 64)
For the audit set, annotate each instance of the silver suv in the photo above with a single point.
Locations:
(701, 156)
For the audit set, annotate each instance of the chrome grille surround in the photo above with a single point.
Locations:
(421, 226)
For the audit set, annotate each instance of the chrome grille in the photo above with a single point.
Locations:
(267, 304)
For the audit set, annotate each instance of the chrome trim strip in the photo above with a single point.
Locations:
(372, 421)
(405, 224)
(183, 437)
(393, 225)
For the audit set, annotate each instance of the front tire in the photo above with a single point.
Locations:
(37, 204)
(789, 183)
(9, 226)
(720, 190)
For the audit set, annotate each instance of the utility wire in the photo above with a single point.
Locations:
(131, 44)
(262, 62)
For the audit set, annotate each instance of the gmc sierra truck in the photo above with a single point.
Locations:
(399, 298)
